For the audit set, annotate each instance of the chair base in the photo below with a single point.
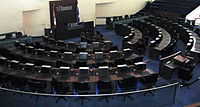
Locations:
(105, 98)
(82, 99)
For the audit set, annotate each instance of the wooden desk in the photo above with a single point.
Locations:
(154, 53)
(61, 78)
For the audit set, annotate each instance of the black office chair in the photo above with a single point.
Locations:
(18, 83)
(71, 45)
(18, 34)
(4, 80)
(82, 88)
(108, 20)
(120, 61)
(60, 88)
(83, 75)
(80, 64)
(104, 87)
(127, 84)
(185, 73)
(122, 71)
(115, 18)
(37, 86)
(126, 16)
(104, 73)
(149, 80)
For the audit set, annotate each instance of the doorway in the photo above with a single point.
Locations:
(32, 23)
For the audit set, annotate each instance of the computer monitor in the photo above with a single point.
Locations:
(122, 68)
(68, 56)
(45, 69)
(83, 55)
(71, 44)
(99, 56)
(114, 55)
(83, 74)
(83, 45)
(95, 45)
(127, 52)
(3, 60)
(29, 67)
(103, 71)
(65, 71)
(140, 66)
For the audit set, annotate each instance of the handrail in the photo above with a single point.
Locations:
(91, 95)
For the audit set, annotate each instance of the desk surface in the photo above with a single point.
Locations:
(138, 35)
(165, 40)
(61, 78)
(196, 44)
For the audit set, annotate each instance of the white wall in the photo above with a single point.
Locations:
(11, 12)
(117, 8)
(194, 15)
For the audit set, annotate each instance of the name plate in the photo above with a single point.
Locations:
(63, 8)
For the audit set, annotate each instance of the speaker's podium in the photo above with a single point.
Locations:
(72, 30)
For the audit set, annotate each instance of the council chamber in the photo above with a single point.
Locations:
(76, 53)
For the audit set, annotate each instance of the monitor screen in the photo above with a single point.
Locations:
(83, 45)
(95, 44)
(98, 55)
(83, 55)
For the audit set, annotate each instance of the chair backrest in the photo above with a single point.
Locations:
(149, 80)
(127, 84)
(104, 87)
(37, 85)
(60, 87)
(81, 88)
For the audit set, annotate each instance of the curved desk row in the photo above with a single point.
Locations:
(72, 59)
(67, 74)
(72, 46)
